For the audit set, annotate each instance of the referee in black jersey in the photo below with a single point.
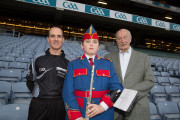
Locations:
(45, 80)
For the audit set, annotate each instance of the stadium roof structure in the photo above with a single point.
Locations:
(67, 13)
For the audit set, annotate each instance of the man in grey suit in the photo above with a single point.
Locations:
(134, 71)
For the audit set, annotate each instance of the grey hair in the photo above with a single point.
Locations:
(125, 30)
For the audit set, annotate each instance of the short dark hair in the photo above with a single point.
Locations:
(57, 26)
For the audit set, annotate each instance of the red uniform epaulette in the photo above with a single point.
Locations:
(75, 59)
(107, 59)
(97, 57)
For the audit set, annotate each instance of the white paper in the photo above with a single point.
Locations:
(126, 99)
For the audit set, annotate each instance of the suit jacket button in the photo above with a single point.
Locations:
(93, 102)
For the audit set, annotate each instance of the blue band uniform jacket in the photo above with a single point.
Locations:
(77, 85)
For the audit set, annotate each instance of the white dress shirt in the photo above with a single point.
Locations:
(124, 61)
(90, 57)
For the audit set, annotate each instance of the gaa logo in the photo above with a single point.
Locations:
(142, 20)
(176, 27)
(120, 15)
(97, 11)
(45, 2)
(42, 69)
(160, 24)
(70, 5)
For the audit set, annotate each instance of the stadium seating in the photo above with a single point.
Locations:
(173, 93)
(168, 110)
(3, 65)
(159, 68)
(165, 74)
(30, 56)
(171, 89)
(18, 50)
(24, 75)
(174, 81)
(15, 55)
(155, 80)
(20, 93)
(6, 50)
(153, 112)
(163, 80)
(12, 75)
(166, 70)
(156, 73)
(178, 105)
(7, 59)
(14, 112)
(22, 60)
(158, 94)
(171, 72)
(2, 53)
(5, 88)
(18, 65)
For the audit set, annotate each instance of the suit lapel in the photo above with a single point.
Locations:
(117, 65)
(85, 62)
(132, 62)
(96, 61)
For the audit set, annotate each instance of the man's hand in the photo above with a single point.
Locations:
(94, 109)
(81, 118)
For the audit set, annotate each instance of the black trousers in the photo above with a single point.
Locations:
(46, 109)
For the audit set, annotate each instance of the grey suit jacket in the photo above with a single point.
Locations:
(139, 77)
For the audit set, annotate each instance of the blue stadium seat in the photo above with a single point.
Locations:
(159, 68)
(155, 79)
(12, 75)
(173, 93)
(171, 89)
(18, 50)
(24, 75)
(174, 81)
(153, 112)
(165, 74)
(171, 72)
(22, 60)
(29, 51)
(20, 93)
(178, 105)
(2, 53)
(7, 59)
(14, 112)
(158, 94)
(156, 73)
(27, 55)
(13, 55)
(168, 110)
(5, 88)
(3, 65)
(153, 68)
(18, 65)
(7, 50)
(165, 69)
(163, 80)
